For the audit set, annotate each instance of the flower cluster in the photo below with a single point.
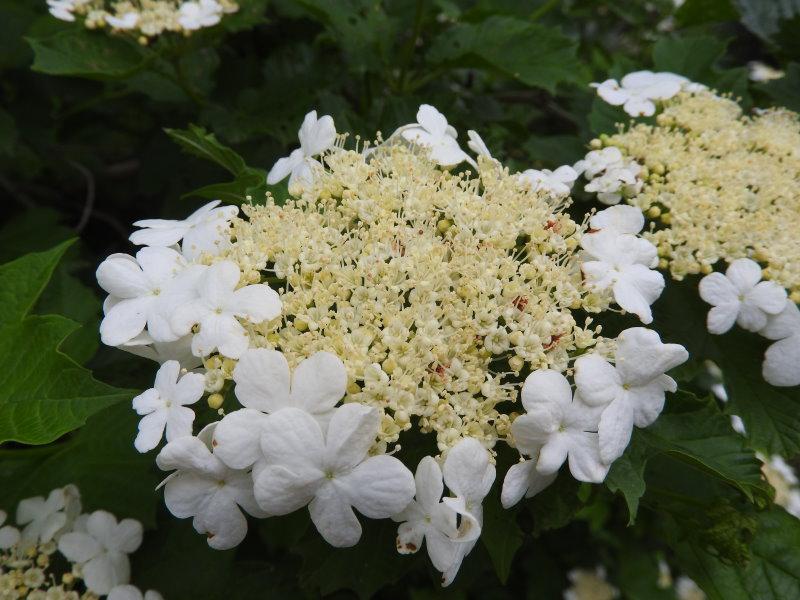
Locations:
(720, 186)
(610, 175)
(145, 18)
(388, 292)
(95, 545)
(639, 91)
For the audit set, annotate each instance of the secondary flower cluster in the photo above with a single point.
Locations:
(95, 545)
(408, 294)
(147, 18)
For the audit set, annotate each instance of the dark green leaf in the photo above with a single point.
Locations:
(627, 476)
(785, 91)
(197, 141)
(501, 535)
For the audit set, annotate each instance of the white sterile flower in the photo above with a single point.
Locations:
(131, 592)
(265, 385)
(143, 291)
(62, 9)
(428, 518)
(741, 297)
(217, 308)
(469, 475)
(316, 136)
(164, 406)
(477, 145)
(618, 220)
(761, 72)
(597, 161)
(615, 183)
(624, 263)
(524, 480)
(561, 428)
(204, 488)
(45, 518)
(181, 350)
(636, 91)
(331, 471)
(632, 390)
(102, 550)
(432, 131)
(126, 21)
(196, 15)
(782, 359)
(206, 230)
(558, 182)
(9, 535)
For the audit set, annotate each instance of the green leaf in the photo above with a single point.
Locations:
(690, 56)
(8, 133)
(603, 118)
(501, 535)
(536, 55)
(556, 505)
(627, 476)
(197, 141)
(82, 53)
(100, 459)
(786, 90)
(698, 12)
(43, 393)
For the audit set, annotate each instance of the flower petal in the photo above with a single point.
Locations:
(616, 426)
(280, 490)
(151, 429)
(379, 487)
(428, 482)
(292, 438)
(124, 321)
(257, 303)
(262, 380)
(467, 470)
(237, 438)
(641, 356)
(768, 296)
(782, 362)
(717, 289)
(722, 317)
(334, 518)
(351, 432)
(584, 458)
(546, 385)
(596, 379)
(319, 382)
(78, 547)
(744, 274)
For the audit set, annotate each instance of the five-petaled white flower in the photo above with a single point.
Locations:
(617, 220)
(125, 21)
(428, 518)
(143, 291)
(616, 182)
(164, 406)
(469, 475)
(316, 136)
(204, 488)
(637, 91)
(206, 230)
(558, 428)
(741, 297)
(9, 535)
(102, 549)
(217, 308)
(265, 385)
(45, 518)
(196, 15)
(131, 592)
(597, 161)
(631, 390)
(782, 359)
(624, 263)
(330, 471)
(433, 132)
(558, 182)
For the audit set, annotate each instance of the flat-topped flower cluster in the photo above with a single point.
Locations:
(391, 290)
(145, 18)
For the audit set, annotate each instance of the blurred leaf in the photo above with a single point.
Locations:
(501, 535)
(785, 91)
(697, 12)
(604, 117)
(197, 141)
(765, 18)
(556, 505)
(8, 133)
(15, 18)
(627, 475)
(691, 56)
(533, 54)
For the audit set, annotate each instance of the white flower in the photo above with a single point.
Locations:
(102, 550)
(524, 480)
(469, 476)
(62, 9)
(143, 291)
(558, 428)
(432, 131)
(203, 13)
(181, 350)
(477, 145)
(428, 518)
(126, 21)
(636, 91)
(616, 182)
(316, 136)
(205, 230)
(618, 220)
(632, 390)
(131, 592)
(217, 308)
(9, 536)
(782, 359)
(558, 182)
(164, 406)
(597, 161)
(623, 262)
(265, 385)
(761, 72)
(741, 297)
(44, 519)
(687, 589)
(204, 488)
(331, 471)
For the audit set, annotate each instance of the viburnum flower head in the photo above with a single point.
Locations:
(782, 359)
(205, 230)
(632, 390)
(102, 549)
(199, 14)
(131, 592)
(164, 406)
(637, 91)
(330, 471)
(557, 428)
(739, 296)
(45, 518)
(558, 182)
(218, 307)
(433, 132)
(316, 136)
(142, 292)
(9, 535)
(265, 385)
(204, 488)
